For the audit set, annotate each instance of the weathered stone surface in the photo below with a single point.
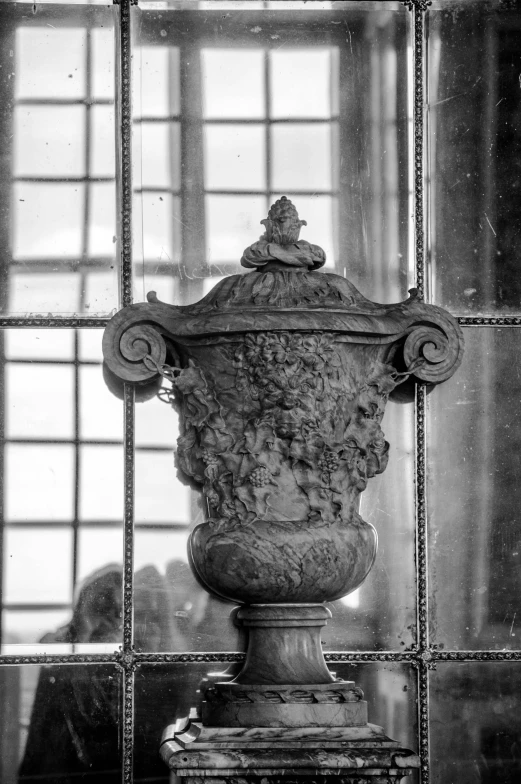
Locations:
(285, 755)
(185, 733)
(281, 377)
(266, 714)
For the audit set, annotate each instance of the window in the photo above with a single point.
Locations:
(105, 636)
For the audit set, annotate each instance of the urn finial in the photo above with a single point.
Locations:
(280, 243)
(283, 224)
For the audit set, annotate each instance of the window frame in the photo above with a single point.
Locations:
(424, 656)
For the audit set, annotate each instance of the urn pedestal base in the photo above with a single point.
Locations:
(321, 755)
(285, 718)
(285, 681)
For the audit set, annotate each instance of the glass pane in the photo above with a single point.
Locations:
(160, 146)
(57, 77)
(474, 497)
(38, 566)
(101, 552)
(475, 714)
(263, 114)
(233, 83)
(474, 155)
(381, 614)
(158, 87)
(49, 223)
(232, 223)
(99, 296)
(102, 223)
(101, 413)
(162, 220)
(301, 157)
(166, 693)
(101, 483)
(160, 497)
(53, 416)
(48, 470)
(41, 294)
(25, 627)
(309, 73)
(50, 63)
(40, 343)
(172, 611)
(103, 71)
(90, 345)
(61, 723)
(156, 424)
(235, 157)
(103, 145)
(49, 141)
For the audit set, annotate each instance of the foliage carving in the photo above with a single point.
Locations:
(306, 440)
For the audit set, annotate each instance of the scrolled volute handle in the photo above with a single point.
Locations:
(134, 346)
(433, 352)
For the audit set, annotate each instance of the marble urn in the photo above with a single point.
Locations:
(280, 377)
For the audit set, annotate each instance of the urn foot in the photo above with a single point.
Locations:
(285, 681)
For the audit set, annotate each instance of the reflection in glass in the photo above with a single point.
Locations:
(49, 141)
(160, 143)
(475, 714)
(60, 292)
(48, 469)
(231, 223)
(232, 83)
(53, 417)
(235, 157)
(60, 723)
(38, 565)
(101, 480)
(381, 614)
(58, 136)
(50, 62)
(301, 157)
(102, 134)
(43, 343)
(310, 73)
(261, 114)
(62, 476)
(474, 104)
(474, 521)
(48, 220)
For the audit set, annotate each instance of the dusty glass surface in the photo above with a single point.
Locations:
(474, 155)
(475, 722)
(57, 183)
(60, 723)
(381, 614)
(172, 611)
(164, 693)
(62, 500)
(233, 110)
(474, 462)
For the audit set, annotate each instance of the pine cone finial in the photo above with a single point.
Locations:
(283, 224)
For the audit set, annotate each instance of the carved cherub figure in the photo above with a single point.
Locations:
(280, 242)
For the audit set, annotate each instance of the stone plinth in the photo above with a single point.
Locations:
(329, 755)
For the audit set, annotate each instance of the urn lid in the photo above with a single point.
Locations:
(285, 290)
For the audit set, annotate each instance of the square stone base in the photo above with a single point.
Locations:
(197, 754)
